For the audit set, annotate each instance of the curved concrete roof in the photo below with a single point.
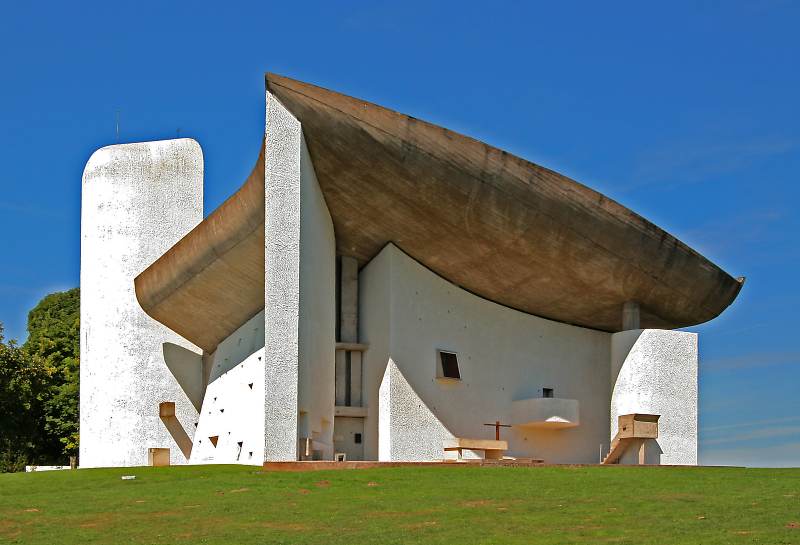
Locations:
(496, 225)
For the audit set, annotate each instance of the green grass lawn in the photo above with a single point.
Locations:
(469, 505)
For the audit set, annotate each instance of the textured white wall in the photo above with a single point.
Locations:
(402, 415)
(317, 329)
(233, 410)
(243, 342)
(299, 310)
(654, 371)
(408, 312)
(282, 279)
(374, 325)
(137, 201)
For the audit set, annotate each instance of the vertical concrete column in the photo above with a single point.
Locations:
(283, 140)
(630, 316)
(299, 297)
(348, 286)
(340, 379)
(348, 363)
(355, 378)
(137, 201)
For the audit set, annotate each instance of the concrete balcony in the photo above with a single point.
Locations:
(545, 412)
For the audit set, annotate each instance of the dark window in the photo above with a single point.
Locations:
(547, 392)
(358, 438)
(449, 365)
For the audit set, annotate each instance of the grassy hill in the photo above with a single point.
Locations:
(241, 505)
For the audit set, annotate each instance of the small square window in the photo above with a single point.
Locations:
(357, 438)
(547, 392)
(448, 365)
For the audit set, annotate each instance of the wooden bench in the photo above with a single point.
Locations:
(490, 448)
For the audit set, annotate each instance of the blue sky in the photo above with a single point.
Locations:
(688, 113)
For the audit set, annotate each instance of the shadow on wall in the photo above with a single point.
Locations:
(166, 411)
(408, 429)
(624, 343)
(187, 368)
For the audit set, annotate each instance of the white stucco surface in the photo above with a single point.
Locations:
(299, 307)
(403, 415)
(243, 342)
(137, 201)
(233, 411)
(654, 371)
(283, 137)
(408, 313)
(546, 412)
(317, 326)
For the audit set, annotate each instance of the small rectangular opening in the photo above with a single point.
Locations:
(547, 392)
(448, 365)
(357, 438)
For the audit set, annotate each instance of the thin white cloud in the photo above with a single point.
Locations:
(784, 455)
(752, 423)
(692, 161)
(752, 435)
(28, 210)
(751, 228)
(751, 361)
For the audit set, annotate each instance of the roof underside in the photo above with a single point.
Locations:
(496, 225)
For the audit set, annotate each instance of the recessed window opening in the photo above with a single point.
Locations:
(448, 365)
(357, 438)
(547, 392)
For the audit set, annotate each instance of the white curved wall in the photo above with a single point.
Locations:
(137, 201)
(407, 312)
(654, 371)
(317, 329)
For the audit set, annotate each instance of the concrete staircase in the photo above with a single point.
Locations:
(632, 429)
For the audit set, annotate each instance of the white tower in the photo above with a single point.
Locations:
(138, 200)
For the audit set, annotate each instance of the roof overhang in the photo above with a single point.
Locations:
(496, 225)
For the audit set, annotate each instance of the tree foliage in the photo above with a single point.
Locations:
(54, 337)
(25, 382)
(39, 386)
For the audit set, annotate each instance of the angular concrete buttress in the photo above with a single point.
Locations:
(299, 300)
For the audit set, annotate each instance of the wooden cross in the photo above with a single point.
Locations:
(497, 425)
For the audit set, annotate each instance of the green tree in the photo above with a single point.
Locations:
(54, 338)
(25, 384)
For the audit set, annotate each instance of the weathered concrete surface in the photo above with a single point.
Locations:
(496, 225)
(137, 201)
(212, 280)
(499, 226)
